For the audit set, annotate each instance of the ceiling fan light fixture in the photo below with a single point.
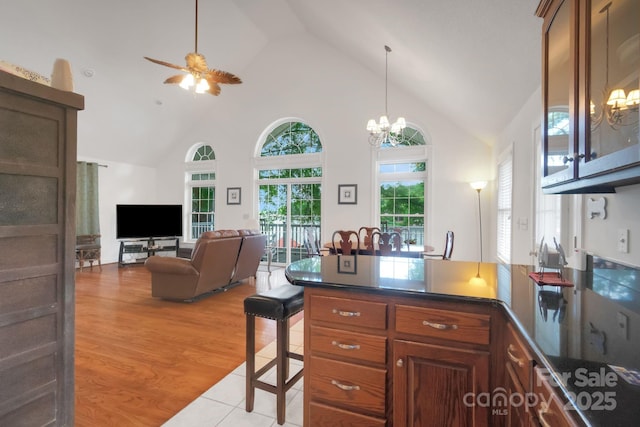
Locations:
(199, 78)
(203, 86)
(187, 81)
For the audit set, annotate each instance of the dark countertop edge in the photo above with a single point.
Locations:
(538, 354)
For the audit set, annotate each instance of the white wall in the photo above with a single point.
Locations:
(336, 97)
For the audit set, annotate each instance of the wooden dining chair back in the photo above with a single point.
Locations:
(388, 243)
(448, 248)
(346, 244)
(367, 239)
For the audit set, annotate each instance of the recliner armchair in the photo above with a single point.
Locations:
(211, 267)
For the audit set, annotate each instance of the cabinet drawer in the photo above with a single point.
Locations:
(348, 385)
(327, 416)
(517, 356)
(443, 324)
(353, 345)
(550, 409)
(349, 312)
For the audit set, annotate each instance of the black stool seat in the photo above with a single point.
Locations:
(277, 304)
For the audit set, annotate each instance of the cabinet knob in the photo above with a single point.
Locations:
(399, 363)
(566, 160)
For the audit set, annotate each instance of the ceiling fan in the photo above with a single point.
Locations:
(202, 78)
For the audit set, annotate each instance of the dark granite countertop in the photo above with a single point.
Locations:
(575, 331)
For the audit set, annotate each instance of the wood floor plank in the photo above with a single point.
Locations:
(139, 360)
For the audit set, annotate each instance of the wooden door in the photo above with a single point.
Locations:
(37, 241)
(439, 385)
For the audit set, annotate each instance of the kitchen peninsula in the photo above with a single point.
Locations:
(409, 342)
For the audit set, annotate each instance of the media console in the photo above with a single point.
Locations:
(136, 251)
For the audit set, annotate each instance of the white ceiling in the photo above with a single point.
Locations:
(474, 61)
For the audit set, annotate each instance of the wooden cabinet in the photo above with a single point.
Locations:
(437, 378)
(374, 360)
(549, 408)
(345, 360)
(438, 385)
(518, 364)
(37, 243)
(590, 85)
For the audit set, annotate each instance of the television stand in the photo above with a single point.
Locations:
(136, 251)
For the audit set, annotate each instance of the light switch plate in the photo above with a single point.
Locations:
(623, 240)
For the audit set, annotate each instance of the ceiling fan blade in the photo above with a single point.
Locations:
(175, 79)
(214, 88)
(223, 77)
(167, 64)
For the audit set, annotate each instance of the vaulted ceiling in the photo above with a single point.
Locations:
(474, 61)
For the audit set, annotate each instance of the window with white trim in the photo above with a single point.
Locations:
(503, 228)
(401, 174)
(200, 191)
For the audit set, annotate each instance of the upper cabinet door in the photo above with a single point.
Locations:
(559, 65)
(612, 86)
(591, 94)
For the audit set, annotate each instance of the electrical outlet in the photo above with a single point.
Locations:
(623, 325)
(623, 240)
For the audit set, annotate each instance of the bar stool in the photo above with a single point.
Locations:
(277, 304)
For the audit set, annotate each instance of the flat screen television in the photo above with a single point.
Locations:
(142, 221)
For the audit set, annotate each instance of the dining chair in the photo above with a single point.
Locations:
(388, 243)
(346, 244)
(448, 248)
(367, 239)
(311, 242)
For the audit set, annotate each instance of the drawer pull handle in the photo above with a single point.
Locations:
(439, 326)
(544, 409)
(513, 358)
(346, 346)
(346, 313)
(345, 387)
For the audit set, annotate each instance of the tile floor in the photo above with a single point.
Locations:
(223, 405)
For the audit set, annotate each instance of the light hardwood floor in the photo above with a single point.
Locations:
(140, 360)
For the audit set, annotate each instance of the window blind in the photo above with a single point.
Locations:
(505, 179)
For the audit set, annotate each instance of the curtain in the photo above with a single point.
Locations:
(87, 211)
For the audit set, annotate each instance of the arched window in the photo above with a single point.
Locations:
(407, 137)
(289, 181)
(200, 191)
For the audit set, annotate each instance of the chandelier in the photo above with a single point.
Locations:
(619, 108)
(383, 132)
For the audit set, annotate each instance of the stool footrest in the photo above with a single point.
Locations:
(272, 388)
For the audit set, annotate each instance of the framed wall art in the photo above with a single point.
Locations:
(347, 194)
(233, 195)
(347, 264)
